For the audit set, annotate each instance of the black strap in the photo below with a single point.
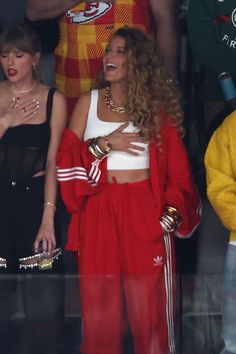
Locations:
(51, 92)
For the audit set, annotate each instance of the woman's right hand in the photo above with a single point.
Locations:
(122, 141)
(18, 113)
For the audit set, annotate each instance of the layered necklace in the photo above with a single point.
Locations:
(110, 104)
(24, 91)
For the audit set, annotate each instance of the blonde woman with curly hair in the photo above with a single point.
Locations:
(125, 177)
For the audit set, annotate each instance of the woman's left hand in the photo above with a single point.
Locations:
(46, 235)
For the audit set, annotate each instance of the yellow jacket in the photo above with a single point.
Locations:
(220, 162)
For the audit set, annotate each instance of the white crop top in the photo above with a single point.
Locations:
(117, 160)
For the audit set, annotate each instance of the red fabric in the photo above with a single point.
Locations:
(122, 217)
(105, 320)
(124, 251)
(171, 180)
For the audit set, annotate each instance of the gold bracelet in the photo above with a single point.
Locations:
(95, 149)
(167, 224)
(50, 204)
(173, 213)
(171, 219)
(99, 150)
(92, 148)
(92, 151)
(165, 227)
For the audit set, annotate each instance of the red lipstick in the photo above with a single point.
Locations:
(11, 72)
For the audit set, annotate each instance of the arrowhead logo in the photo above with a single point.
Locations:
(92, 11)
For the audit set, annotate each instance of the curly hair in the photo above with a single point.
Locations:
(149, 91)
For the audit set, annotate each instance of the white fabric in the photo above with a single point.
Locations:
(117, 160)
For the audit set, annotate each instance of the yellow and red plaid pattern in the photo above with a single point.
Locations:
(85, 30)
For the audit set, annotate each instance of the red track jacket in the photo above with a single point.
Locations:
(80, 175)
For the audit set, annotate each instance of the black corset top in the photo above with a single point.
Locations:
(23, 149)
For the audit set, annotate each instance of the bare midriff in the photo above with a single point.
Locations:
(127, 176)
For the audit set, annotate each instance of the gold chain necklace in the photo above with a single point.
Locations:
(24, 91)
(110, 104)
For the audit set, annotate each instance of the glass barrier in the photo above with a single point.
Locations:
(198, 322)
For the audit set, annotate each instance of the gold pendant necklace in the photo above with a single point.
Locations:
(110, 104)
(24, 91)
